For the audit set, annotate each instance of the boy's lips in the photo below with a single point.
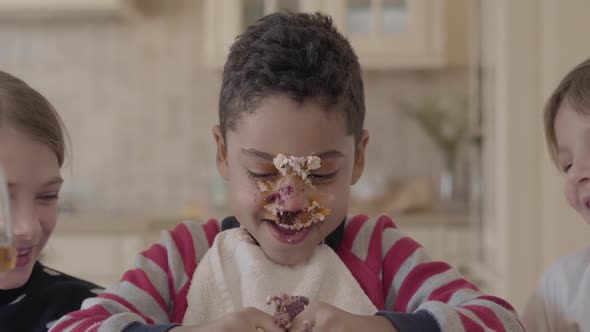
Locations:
(286, 235)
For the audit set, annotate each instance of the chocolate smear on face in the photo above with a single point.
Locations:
(296, 168)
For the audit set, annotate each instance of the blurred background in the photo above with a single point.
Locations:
(454, 91)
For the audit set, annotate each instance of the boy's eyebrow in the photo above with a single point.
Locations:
(331, 154)
(270, 157)
(258, 154)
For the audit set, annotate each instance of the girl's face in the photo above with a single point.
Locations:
(33, 174)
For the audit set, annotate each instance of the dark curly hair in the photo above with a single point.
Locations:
(299, 55)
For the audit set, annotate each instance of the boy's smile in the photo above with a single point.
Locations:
(280, 125)
(572, 132)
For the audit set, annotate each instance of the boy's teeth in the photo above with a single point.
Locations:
(23, 252)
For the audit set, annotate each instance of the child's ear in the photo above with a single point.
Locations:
(221, 156)
(359, 157)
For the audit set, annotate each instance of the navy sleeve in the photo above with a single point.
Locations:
(420, 320)
(139, 327)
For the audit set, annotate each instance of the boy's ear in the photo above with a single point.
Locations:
(221, 156)
(359, 157)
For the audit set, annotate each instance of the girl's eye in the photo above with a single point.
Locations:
(255, 175)
(567, 167)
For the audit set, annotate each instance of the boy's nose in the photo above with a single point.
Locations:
(296, 197)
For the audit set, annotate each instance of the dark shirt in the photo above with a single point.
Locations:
(47, 296)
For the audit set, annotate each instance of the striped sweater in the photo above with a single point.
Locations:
(395, 272)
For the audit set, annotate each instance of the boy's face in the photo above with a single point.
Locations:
(572, 133)
(282, 126)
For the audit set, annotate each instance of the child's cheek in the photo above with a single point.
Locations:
(571, 197)
(245, 195)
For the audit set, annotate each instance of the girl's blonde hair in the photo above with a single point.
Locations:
(574, 90)
(26, 110)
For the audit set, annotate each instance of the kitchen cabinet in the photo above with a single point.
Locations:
(43, 9)
(384, 33)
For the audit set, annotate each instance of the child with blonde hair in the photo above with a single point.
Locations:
(562, 298)
(32, 151)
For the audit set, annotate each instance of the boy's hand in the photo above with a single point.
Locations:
(324, 317)
(246, 320)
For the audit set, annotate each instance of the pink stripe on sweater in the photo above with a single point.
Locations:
(414, 280)
(183, 241)
(498, 301)
(469, 324)
(87, 323)
(444, 293)
(486, 315)
(352, 229)
(374, 254)
(94, 311)
(365, 277)
(126, 304)
(211, 229)
(64, 324)
(180, 304)
(395, 257)
(140, 279)
(501, 303)
(159, 255)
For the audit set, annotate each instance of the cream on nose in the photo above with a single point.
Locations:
(292, 194)
(294, 199)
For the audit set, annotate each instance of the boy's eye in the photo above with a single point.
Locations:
(321, 177)
(566, 168)
(255, 175)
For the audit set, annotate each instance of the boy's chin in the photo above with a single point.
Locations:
(290, 258)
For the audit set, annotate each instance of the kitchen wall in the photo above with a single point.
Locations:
(527, 47)
(139, 108)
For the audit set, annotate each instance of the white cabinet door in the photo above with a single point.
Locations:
(18, 9)
(392, 33)
(384, 33)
